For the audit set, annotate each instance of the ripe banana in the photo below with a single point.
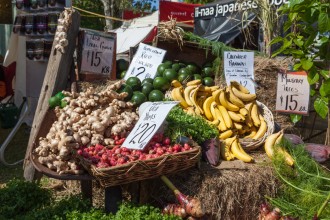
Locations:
(243, 96)
(216, 95)
(240, 87)
(217, 115)
(226, 117)
(214, 88)
(255, 115)
(235, 117)
(226, 134)
(243, 111)
(234, 99)
(187, 92)
(239, 153)
(207, 106)
(262, 129)
(252, 133)
(229, 141)
(225, 152)
(238, 126)
(191, 111)
(176, 84)
(193, 99)
(223, 101)
(195, 82)
(176, 94)
(215, 122)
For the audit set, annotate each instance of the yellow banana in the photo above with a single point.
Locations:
(230, 140)
(235, 117)
(241, 131)
(225, 152)
(187, 92)
(239, 152)
(191, 111)
(207, 106)
(217, 115)
(215, 122)
(243, 111)
(262, 129)
(255, 115)
(214, 88)
(216, 95)
(252, 133)
(223, 101)
(176, 94)
(193, 99)
(288, 158)
(238, 126)
(176, 84)
(240, 87)
(226, 117)
(206, 89)
(243, 96)
(226, 134)
(195, 82)
(234, 99)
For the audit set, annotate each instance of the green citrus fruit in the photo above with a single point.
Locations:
(134, 82)
(156, 96)
(161, 83)
(122, 74)
(147, 88)
(138, 98)
(184, 70)
(149, 80)
(207, 64)
(54, 101)
(184, 77)
(121, 65)
(207, 71)
(193, 68)
(176, 66)
(128, 89)
(158, 74)
(197, 76)
(208, 81)
(170, 74)
(168, 63)
(161, 68)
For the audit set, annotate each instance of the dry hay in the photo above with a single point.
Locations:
(226, 193)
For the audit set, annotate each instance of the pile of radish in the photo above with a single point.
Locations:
(104, 157)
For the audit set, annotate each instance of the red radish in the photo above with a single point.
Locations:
(264, 210)
(79, 152)
(192, 206)
(273, 215)
(167, 141)
(175, 209)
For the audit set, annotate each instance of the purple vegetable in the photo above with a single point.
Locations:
(318, 152)
(211, 151)
(294, 139)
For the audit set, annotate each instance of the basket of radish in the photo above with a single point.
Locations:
(118, 165)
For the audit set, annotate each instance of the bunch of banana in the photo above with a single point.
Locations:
(272, 147)
(231, 149)
(233, 109)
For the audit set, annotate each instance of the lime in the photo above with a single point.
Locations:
(176, 66)
(207, 64)
(158, 74)
(193, 68)
(60, 95)
(184, 70)
(156, 96)
(121, 65)
(170, 74)
(183, 77)
(197, 76)
(208, 81)
(128, 89)
(182, 64)
(161, 83)
(149, 80)
(168, 63)
(63, 104)
(122, 74)
(138, 98)
(134, 82)
(54, 101)
(207, 71)
(147, 88)
(162, 67)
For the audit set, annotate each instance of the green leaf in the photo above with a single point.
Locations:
(298, 42)
(321, 107)
(295, 118)
(323, 22)
(325, 88)
(276, 40)
(306, 64)
(313, 77)
(311, 38)
(325, 73)
(297, 66)
(312, 92)
(297, 52)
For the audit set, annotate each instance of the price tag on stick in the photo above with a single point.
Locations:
(292, 93)
(145, 62)
(150, 121)
(238, 66)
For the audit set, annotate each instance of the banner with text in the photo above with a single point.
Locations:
(145, 62)
(150, 121)
(238, 66)
(292, 93)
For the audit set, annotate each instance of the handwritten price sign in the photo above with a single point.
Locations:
(145, 62)
(238, 66)
(150, 121)
(97, 54)
(292, 93)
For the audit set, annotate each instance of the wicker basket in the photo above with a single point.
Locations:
(250, 144)
(141, 170)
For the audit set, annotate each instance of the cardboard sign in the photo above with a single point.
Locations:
(292, 93)
(145, 62)
(150, 121)
(97, 53)
(238, 66)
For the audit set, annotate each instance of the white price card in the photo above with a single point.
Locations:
(150, 121)
(97, 53)
(293, 93)
(238, 66)
(145, 62)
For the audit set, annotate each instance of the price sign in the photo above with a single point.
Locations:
(97, 54)
(150, 121)
(292, 93)
(238, 66)
(145, 62)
